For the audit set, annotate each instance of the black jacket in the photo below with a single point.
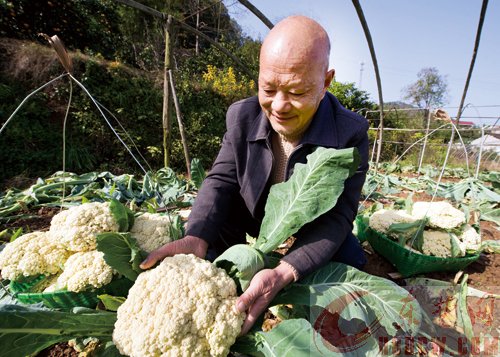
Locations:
(243, 167)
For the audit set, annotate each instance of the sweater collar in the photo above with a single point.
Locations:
(321, 131)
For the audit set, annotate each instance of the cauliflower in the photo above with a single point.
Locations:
(151, 231)
(437, 243)
(84, 270)
(76, 227)
(381, 220)
(183, 307)
(32, 254)
(469, 239)
(441, 214)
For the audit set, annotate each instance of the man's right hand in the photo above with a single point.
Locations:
(186, 245)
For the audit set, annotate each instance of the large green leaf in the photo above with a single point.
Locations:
(197, 173)
(241, 262)
(111, 303)
(289, 339)
(298, 337)
(490, 213)
(375, 302)
(490, 246)
(121, 215)
(469, 187)
(121, 252)
(413, 232)
(312, 190)
(25, 330)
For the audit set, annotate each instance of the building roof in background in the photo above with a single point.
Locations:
(463, 123)
(490, 143)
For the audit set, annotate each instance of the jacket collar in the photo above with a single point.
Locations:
(321, 131)
(261, 128)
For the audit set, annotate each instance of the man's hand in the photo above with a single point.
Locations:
(186, 245)
(264, 286)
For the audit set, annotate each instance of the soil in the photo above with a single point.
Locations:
(36, 220)
(59, 350)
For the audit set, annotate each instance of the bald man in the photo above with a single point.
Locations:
(265, 138)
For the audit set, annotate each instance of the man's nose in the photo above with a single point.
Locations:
(281, 103)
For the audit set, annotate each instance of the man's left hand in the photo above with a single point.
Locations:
(264, 286)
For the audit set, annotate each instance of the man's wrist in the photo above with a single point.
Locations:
(197, 244)
(286, 272)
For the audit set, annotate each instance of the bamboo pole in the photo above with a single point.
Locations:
(166, 110)
(181, 124)
(257, 13)
(368, 36)
(473, 61)
(425, 141)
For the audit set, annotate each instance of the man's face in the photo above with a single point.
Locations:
(290, 92)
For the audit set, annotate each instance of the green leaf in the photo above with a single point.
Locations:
(469, 187)
(25, 330)
(490, 214)
(241, 262)
(107, 349)
(121, 252)
(176, 228)
(130, 218)
(197, 173)
(119, 211)
(463, 317)
(111, 303)
(312, 190)
(489, 246)
(413, 231)
(455, 245)
(298, 337)
(372, 301)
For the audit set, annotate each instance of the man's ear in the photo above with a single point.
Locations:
(329, 77)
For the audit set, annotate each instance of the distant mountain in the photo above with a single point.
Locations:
(399, 105)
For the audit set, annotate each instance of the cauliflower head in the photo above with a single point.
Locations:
(469, 239)
(183, 307)
(77, 227)
(437, 243)
(441, 214)
(32, 254)
(381, 220)
(151, 231)
(84, 270)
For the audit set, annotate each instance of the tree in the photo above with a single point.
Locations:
(430, 90)
(350, 97)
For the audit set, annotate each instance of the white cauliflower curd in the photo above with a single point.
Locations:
(437, 243)
(151, 231)
(32, 254)
(183, 307)
(441, 214)
(77, 227)
(381, 220)
(84, 270)
(469, 239)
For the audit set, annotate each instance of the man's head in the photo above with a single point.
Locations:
(293, 75)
